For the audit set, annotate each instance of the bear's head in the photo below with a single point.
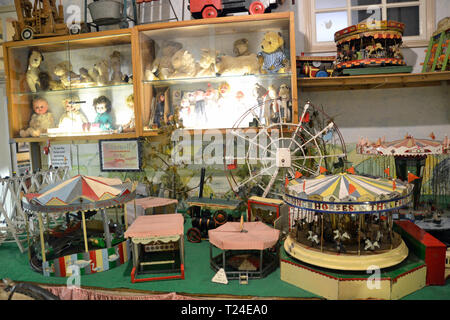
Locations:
(182, 59)
(272, 42)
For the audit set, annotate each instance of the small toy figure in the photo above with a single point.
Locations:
(103, 108)
(259, 93)
(72, 120)
(41, 119)
(100, 73)
(130, 125)
(207, 63)
(271, 106)
(116, 76)
(35, 59)
(158, 120)
(274, 60)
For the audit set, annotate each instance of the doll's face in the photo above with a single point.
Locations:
(101, 108)
(40, 106)
(71, 106)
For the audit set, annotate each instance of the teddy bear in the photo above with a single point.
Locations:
(162, 65)
(116, 76)
(85, 78)
(240, 47)
(183, 65)
(206, 66)
(72, 119)
(33, 73)
(40, 120)
(272, 56)
(100, 73)
(284, 94)
(67, 77)
(229, 65)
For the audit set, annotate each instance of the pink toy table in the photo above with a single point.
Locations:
(150, 205)
(240, 247)
(153, 235)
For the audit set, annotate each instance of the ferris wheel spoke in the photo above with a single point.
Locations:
(298, 166)
(253, 177)
(271, 182)
(250, 141)
(318, 156)
(313, 138)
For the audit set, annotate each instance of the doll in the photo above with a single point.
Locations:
(271, 106)
(159, 110)
(103, 108)
(72, 119)
(129, 126)
(41, 119)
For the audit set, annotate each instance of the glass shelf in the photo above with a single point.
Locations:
(72, 90)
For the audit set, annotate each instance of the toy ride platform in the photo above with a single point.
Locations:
(394, 282)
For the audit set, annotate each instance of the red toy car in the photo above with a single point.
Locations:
(214, 8)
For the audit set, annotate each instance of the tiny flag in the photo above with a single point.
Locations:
(286, 181)
(351, 170)
(432, 136)
(322, 169)
(304, 185)
(387, 171)
(393, 184)
(412, 177)
(351, 188)
(232, 166)
(306, 118)
(297, 174)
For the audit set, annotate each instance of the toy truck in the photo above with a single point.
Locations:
(214, 8)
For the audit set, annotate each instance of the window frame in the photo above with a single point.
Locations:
(427, 9)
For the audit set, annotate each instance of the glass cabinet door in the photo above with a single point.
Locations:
(84, 85)
(207, 75)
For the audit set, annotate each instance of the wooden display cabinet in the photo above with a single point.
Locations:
(106, 59)
(208, 95)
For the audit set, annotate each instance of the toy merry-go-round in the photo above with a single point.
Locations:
(344, 221)
(343, 242)
(77, 226)
(370, 44)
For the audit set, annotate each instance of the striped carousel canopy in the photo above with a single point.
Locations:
(358, 193)
(409, 146)
(80, 193)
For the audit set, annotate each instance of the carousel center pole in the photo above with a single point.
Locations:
(321, 236)
(84, 232)
(126, 215)
(106, 228)
(41, 234)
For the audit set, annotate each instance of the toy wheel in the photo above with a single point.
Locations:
(75, 29)
(209, 12)
(220, 217)
(256, 7)
(194, 235)
(27, 34)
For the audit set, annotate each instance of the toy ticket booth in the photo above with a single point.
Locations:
(157, 246)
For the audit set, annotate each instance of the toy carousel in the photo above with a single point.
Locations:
(65, 234)
(341, 227)
(370, 45)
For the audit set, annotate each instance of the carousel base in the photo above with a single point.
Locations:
(341, 261)
(394, 282)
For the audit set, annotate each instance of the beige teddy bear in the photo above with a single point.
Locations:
(229, 65)
(100, 73)
(35, 59)
(116, 76)
(40, 120)
(183, 65)
(272, 56)
(207, 63)
(67, 77)
(162, 65)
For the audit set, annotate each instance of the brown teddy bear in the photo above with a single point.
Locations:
(207, 63)
(40, 120)
(272, 56)
(240, 47)
(100, 73)
(67, 77)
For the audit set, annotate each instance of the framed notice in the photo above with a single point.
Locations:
(120, 155)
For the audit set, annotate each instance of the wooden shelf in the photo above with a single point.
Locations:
(111, 136)
(379, 81)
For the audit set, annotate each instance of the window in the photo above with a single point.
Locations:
(322, 18)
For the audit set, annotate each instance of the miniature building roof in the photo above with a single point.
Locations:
(347, 187)
(158, 225)
(259, 236)
(80, 193)
(409, 146)
(153, 202)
